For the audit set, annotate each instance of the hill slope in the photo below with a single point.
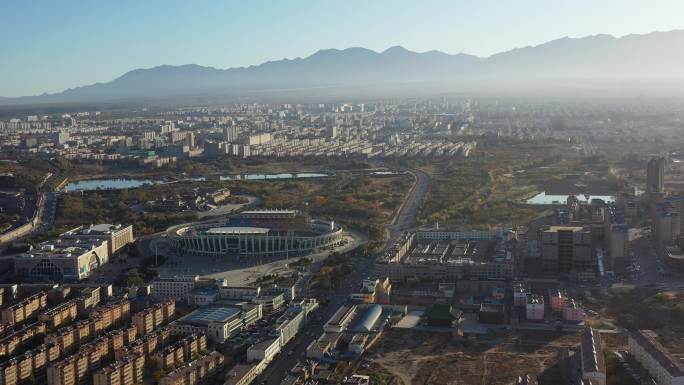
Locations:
(639, 59)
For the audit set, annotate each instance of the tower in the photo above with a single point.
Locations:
(655, 175)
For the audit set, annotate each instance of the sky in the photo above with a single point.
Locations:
(49, 46)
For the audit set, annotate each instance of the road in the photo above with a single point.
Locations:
(404, 220)
(405, 217)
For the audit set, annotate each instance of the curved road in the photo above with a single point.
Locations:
(405, 218)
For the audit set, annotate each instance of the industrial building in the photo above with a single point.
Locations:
(450, 256)
(370, 317)
(341, 319)
(262, 233)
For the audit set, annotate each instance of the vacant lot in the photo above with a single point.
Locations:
(408, 357)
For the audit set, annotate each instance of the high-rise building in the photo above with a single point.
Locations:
(655, 175)
(230, 133)
(566, 249)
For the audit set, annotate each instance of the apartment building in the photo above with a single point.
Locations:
(534, 310)
(25, 309)
(111, 314)
(182, 351)
(652, 355)
(152, 318)
(59, 315)
(16, 340)
(591, 356)
(196, 371)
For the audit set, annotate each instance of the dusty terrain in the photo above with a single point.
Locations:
(412, 357)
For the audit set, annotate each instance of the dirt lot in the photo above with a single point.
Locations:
(414, 357)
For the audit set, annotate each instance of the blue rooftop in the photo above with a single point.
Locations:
(211, 314)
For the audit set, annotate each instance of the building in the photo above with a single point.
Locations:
(217, 323)
(667, 369)
(491, 313)
(59, 315)
(262, 233)
(534, 310)
(557, 298)
(567, 250)
(230, 133)
(243, 293)
(270, 302)
(177, 287)
(195, 372)
(323, 345)
(341, 319)
(243, 374)
(153, 317)
(449, 256)
(64, 259)
(666, 219)
(370, 318)
(26, 309)
(572, 312)
(203, 295)
(264, 351)
(374, 291)
(674, 257)
(591, 355)
(117, 236)
(655, 175)
(520, 293)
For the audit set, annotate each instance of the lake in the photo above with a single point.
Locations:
(108, 184)
(122, 183)
(286, 175)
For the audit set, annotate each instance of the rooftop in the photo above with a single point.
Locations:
(211, 314)
(238, 230)
(648, 341)
(592, 351)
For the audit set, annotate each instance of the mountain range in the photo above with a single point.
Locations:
(595, 62)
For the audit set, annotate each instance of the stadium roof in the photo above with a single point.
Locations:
(238, 230)
(269, 212)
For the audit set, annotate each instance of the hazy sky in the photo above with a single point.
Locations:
(51, 45)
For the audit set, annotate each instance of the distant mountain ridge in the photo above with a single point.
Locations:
(656, 57)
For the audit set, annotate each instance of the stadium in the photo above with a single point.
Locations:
(260, 233)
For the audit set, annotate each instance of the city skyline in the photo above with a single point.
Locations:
(88, 43)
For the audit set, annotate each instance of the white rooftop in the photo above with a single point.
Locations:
(238, 230)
